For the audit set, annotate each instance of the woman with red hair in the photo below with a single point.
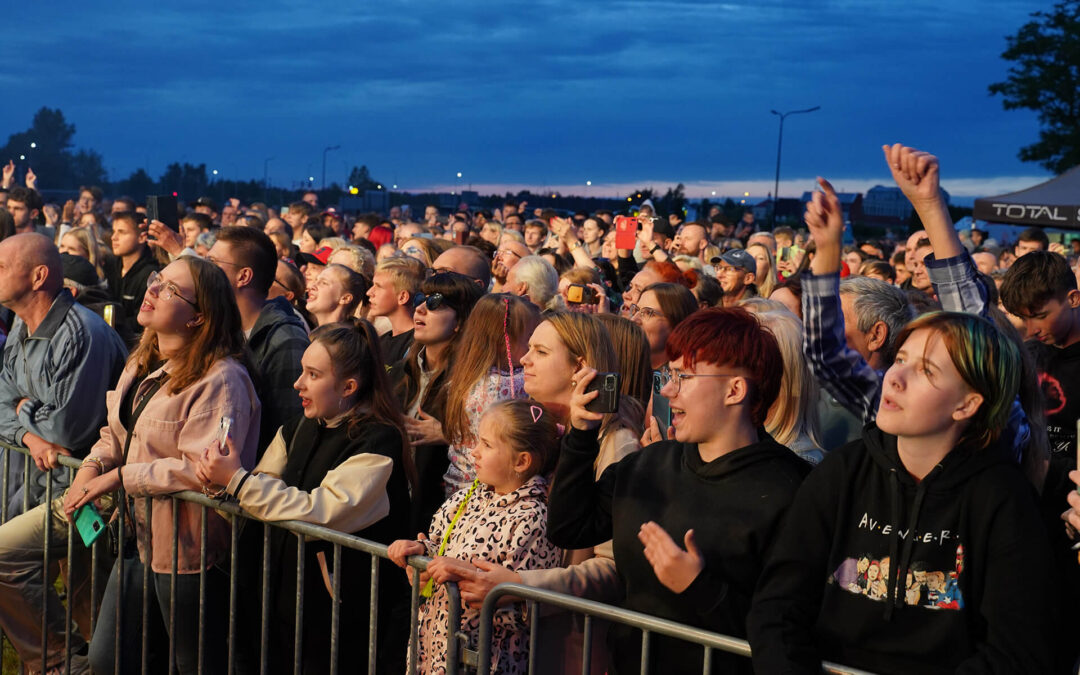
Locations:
(691, 518)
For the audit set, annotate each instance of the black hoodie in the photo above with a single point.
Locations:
(734, 504)
(877, 571)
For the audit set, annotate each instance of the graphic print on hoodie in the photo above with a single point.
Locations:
(878, 571)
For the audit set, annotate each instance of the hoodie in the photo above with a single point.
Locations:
(878, 571)
(277, 342)
(734, 504)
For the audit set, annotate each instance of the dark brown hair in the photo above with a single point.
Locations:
(354, 352)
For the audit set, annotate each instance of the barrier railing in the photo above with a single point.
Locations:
(304, 533)
(456, 656)
(647, 624)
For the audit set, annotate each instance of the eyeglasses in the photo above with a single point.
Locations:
(505, 251)
(413, 251)
(433, 301)
(166, 290)
(676, 377)
(646, 312)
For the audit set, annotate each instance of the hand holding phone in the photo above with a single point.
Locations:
(580, 294)
(89, 524)
(224, 427)
(608, 399)
(626, 229)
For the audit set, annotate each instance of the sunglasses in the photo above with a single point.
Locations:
(433, 301)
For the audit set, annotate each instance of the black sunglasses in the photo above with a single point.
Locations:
(433, 301)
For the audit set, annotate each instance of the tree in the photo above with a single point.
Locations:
(1046, 79)
(46, 146)
(360, 178)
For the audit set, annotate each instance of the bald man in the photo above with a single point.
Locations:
(693, 240)
(59, 361)
(467, 260)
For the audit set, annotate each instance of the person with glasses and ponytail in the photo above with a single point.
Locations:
(188, 372)
(341, 465)
(691, 519)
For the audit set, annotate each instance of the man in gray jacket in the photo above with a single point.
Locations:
(59, 361)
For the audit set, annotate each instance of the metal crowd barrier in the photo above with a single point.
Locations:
(303, 532)
(648, 625)
(457, 653)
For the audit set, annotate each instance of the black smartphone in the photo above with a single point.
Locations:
(163, 208)
(608, 386)
(661, 408)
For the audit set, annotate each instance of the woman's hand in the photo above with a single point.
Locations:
(486, 575)
(580, 418)
(401, 549)
(80, 494)
(424, 431)
(83, 476)
(652, 433)
(162, 236)
(1072, 516)
(675, 568)
(217, 468)
(68, 213)
(443, 569)
(602, 304)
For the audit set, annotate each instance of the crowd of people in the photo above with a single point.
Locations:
(845, 453)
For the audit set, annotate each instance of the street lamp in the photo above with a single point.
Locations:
(779, 145)
(326, 150)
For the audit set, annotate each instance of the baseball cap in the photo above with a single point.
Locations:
(206, 201)
(321, 256)
(79, 270)
(739, 258)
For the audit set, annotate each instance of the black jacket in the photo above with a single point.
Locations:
(431, 460)
(128, 289)
(313, 451)
(277, 342)
(734, 504)
(877, 571)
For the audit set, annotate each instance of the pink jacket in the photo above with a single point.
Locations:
(169, 438)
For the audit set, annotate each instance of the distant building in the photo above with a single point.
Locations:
(788, 208)
(850, 202)
(888, 205)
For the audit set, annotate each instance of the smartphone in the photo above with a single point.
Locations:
(608, 386)
(579, 294)
(459, 238)
(626, 232)
(224, 427)
(107, 313)
(783, 254)
(89, 524)
(661, 407)
(163, 208)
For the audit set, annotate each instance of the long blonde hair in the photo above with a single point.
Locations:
(588, 339)
(795, 410)
(765, 286)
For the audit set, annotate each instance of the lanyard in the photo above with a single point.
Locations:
(426, 592)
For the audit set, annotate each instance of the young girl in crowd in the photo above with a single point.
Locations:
(501, 518)
(561, 348)
(931, 497)
(485, 370)
(421, 383)
(187, 372)
(340, 465)
(660, 308)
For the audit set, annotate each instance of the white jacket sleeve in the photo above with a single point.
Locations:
(350, 497)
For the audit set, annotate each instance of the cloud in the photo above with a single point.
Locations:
(542, 91)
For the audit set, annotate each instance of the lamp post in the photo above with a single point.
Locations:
(326, 150)
(779, 146)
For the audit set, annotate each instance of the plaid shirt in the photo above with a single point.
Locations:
(845, 374)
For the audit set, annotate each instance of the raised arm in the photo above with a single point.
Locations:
(835, 365)
(950, 268)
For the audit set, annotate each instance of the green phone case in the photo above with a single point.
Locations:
(89, 524)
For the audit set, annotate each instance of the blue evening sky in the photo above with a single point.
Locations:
(542, 94)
